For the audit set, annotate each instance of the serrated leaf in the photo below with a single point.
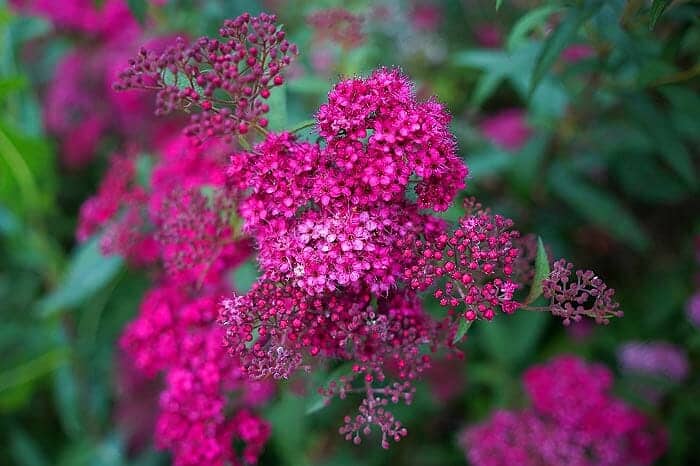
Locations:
(88, 271)
(541, 272)
(598, 206)
(657, 9)
(462, 330)
(138, 8)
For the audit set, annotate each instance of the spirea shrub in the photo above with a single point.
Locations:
(344, 229)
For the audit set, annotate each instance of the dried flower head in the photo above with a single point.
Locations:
(583, 295)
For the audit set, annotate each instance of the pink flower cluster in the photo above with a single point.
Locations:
(79, 106)
(174, 334)
(331, 223)
(474, 263)
(573, 420)
(338, 26)
(227, 79)
(172, 222)
(101, 20)
(507, 129)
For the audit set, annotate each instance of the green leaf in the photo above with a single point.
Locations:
(598, 206)
(245, 275)
(498, 4)
(558, 40)
(289, 444)
(243, 142)
(489, 162)
(667, 143)
(512, 339)
(643, 177)
(67, 400)
(541, 272)
(138, 8)
(528, 22)
(317, 402)
(525, 170)
(144, 168)
(277, 117)
(25, 451)
(492, 60)
(464, 326)
(657, 9)
(26, 178)
(485, 87)
(31, 370)
(88, 271)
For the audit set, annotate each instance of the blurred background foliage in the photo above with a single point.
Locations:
(599, 106)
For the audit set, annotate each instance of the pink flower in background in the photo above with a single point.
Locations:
(693, 309)
(573, 420)
(447, 379)
(577, 52)
(98, 210)
(426, 16)
(323, 59)
(654, 358)
(488, 35)
(110, 19)
(337, 25)
(136, 403)
(72, 111)
(507, 129)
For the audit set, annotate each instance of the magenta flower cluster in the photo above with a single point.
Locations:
(573, 420)
(227, 79)
(474, 264)
(186, 238)
(332, 223)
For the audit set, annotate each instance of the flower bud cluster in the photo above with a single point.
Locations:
(227, 80)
